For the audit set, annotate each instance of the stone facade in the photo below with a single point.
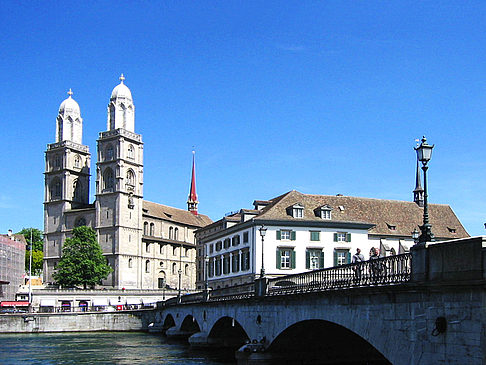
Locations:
(119, 214)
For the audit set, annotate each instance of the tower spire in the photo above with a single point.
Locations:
(192, 199)
(418, 192)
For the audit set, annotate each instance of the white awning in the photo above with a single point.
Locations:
(48, 303)
(97, 302)
(115, 301)
(133, 301)
(146, 301)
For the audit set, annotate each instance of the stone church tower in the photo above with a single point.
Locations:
(66, 178)
(119, 188)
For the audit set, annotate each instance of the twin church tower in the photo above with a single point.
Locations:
(145, 243)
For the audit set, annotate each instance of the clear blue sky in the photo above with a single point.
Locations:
(323, 97)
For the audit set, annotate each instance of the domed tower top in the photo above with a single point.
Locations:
(69, 124)
(121, 111)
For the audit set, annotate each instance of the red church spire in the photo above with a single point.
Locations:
(192, 200)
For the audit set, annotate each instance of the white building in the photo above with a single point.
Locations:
(148, 245)
(307, 232)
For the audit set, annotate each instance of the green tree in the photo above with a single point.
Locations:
(82, 261)
(37, 238)
(37, 261)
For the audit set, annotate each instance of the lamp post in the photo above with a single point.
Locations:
(263, 231)
(424, 153)
(30, 272)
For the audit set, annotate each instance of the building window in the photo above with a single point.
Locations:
(342, 237)
(211, 268)
(245, 237)
(145, 228)
(226, 264)
(226, 243)
(109, 153)
(314, 236)
(342, 257)
(235, 241)
(161, 248)
(211, 248)
(80, 222)
(171, 233)
(130, 263)
(219, 246)
(108, 179)
(174, 268)
(186, 252)
(314, 259)
(218, 266)
(285, 258)
(56, 189)
(57, 161)
(131, 152)
(176, 234)
(324, 212)
(245, 260)
(174, 250)
(161, 282)
(147, 247)
(152, 229)
(147, 266)
(186, 270)
(77, 161)
(235, 264)
(286, 235)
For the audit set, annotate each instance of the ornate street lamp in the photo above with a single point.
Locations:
(424, 153)
(415, 235)
(263, 231)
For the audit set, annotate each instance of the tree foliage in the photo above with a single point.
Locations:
(82, 261)
(37, 261)
(37, 238)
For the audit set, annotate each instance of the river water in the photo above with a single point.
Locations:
(102, 348)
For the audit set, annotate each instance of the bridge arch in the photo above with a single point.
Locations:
(228, 332)
(190, 325)
(318, 341)
(168, 321)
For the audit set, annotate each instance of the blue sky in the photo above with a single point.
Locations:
(323, 97)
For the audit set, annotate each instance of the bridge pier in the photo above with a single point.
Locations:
(175, 334)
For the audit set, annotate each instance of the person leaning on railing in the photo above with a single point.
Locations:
(357, 258)
(375, 265)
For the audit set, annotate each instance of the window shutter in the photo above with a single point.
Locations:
(335, 257)
(292, 235)
(278, 234)
(349, 257)
(279, 259)
(292, 258)
(321, 260)
(307, 259)
(348, 237)
(335, 237)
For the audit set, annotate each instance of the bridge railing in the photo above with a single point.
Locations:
(232, 292)
(383, 271)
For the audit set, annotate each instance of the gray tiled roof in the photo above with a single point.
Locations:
(403, 215)
(174, 214)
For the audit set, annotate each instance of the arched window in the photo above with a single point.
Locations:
(130, 178)
(80, 222)
(145, 228)
(77, 161)
(109, 153)
(152, 229)
(57, 161)
(176, 234)
(147, 266)
(109, 180)
(186, 270)
(171, 233)
(130, 263)
(77, 191)
(56, 189)
(174, 268)
(147, 247)
(131, 152)
(174, 250)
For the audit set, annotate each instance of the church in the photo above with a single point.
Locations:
(148, 245)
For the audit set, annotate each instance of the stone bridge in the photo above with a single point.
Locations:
(425, 308)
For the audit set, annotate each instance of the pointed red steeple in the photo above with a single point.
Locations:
(192, 200)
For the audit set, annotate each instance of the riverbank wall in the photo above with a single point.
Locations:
(137, 320)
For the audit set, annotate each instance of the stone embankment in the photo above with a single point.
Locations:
(137, 320)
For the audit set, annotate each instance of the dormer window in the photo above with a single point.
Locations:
(323, 212)
(296, 211)
(451, 230)
(391, 227)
